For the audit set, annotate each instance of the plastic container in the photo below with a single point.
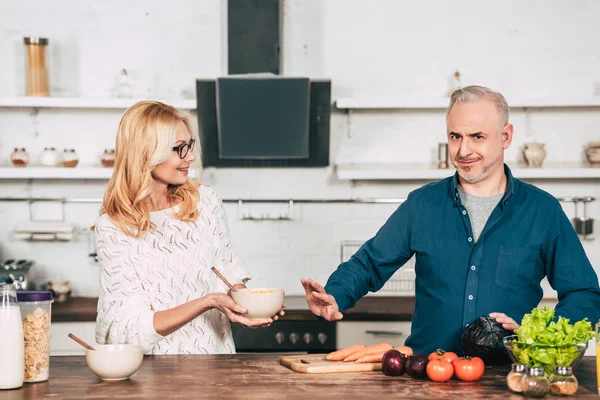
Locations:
(563, 382)
(11, 359)
(36, 309)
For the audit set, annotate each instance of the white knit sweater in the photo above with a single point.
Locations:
(170, 266)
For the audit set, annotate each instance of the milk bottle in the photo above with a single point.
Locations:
(12, 357)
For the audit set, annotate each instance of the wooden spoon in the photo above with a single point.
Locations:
(81, 342)
(224, 279)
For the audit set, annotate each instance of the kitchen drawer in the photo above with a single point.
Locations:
(62, 345)
(370, 333)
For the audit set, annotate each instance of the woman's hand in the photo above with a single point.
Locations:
(235, 312)
(281, 313)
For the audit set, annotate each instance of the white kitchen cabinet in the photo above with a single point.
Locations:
(62, 345)
(371, 333)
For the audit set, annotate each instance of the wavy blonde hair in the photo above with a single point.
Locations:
(145, 138)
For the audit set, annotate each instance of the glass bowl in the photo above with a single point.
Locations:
(545, 356)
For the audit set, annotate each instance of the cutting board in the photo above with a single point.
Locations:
(319, 364)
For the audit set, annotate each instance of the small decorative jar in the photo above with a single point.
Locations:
(49, 157)
(19, 157)
(70, 158)
(592, 153)
(535, 154)
(515, 376)
(108, 158)
(563, 382)
(535, 384)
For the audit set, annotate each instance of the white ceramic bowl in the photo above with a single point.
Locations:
(114, 362)
(260, 303)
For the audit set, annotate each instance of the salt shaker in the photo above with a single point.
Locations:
(535, 384)
(515, 376)
(563, 382)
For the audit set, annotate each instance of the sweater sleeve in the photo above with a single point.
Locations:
(125, 313)
(229, 263)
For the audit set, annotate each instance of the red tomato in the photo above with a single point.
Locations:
(439, 371)
(468, 369)
(440, 354)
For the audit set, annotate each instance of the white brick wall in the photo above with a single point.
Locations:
(367, 48)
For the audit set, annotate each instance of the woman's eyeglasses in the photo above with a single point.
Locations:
(184, 148)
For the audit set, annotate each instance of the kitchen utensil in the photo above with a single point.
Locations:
(584, 225)
(443, 155)
(319, 364)
(259, 303)
(81, 342)
(224, 279)
(16, 272)
(114, 362)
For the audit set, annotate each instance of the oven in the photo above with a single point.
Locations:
(312, 336)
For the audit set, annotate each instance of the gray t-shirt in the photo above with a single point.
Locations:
(479, 209)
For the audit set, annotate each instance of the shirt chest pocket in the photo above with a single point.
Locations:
(518, 267)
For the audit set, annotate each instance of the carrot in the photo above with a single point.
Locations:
(378, 356)
(339, 355)
(372, 349)
(407, 351)
(371, 358)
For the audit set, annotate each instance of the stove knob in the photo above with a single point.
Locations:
(293, 338)
(279, 337)
(308, 338)
(322, 338)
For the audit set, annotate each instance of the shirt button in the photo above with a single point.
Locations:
(470, 239)
(472, 268)
(464, 212)
(470, 297)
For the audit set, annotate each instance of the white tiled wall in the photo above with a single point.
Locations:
(535, 48)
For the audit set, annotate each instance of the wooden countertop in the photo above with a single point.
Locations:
(259, 376)
(370, 308)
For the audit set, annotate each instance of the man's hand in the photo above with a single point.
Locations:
(507, 322)
(320, 303)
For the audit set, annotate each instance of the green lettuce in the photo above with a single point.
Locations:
(543, 342)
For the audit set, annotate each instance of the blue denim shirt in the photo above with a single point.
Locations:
(527, 237)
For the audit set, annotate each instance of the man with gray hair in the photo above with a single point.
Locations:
(483, 241)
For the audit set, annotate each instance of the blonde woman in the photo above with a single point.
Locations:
(158, 236)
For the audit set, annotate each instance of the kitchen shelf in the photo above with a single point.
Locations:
(426, 172)
(86, 102)
(442, 102)
(80, 172)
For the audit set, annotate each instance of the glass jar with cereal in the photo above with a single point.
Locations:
(36, 312)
